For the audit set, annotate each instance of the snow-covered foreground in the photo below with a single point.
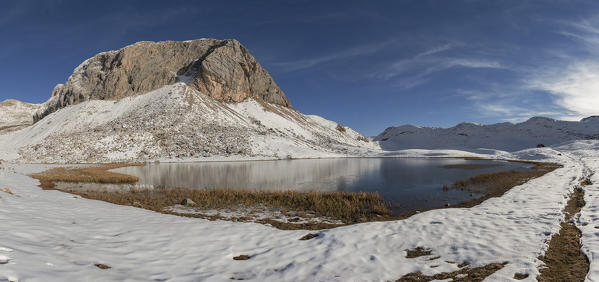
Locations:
(53, 236)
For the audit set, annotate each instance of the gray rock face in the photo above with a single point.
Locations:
(187, 202)
(222, 69)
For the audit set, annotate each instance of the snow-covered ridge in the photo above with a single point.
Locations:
(15, 115)
(176, 122)
(501, 136)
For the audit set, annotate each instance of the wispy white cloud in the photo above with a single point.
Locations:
(574, 87)
(507, 105)
(417, 70)
(360, 50)
(573, 82)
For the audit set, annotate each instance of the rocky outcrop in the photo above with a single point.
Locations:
(222, 69)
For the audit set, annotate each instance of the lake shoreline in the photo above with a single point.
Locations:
(322, 210)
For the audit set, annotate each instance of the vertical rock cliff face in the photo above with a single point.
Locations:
(222, 69)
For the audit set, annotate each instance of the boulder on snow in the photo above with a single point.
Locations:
(187, 202)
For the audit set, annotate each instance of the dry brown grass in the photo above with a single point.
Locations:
(564, 261)
(242, 257)
(418, 252)
(345, 206)
(88, 175)
(520, 276)
(587, 180)
(309, 236)
(465, 274)
(102, 266)
(6, 190)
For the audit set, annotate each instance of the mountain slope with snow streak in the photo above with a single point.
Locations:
(15, 115)
(501, 136)
(176, 122)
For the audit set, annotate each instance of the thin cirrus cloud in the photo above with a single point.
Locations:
(345, 54)
(417, 70)
(506, 104)
(573, 82)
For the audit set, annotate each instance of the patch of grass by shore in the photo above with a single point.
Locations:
(99, 174)
(344, 206)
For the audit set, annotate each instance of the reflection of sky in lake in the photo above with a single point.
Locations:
(414, 183)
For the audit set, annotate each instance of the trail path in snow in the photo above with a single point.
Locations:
(588, 219)
(53, 236)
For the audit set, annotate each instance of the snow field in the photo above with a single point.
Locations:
(55, 236)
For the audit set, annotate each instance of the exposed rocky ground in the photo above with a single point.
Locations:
(222, 69)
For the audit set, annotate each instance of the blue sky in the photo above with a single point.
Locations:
(365, 64)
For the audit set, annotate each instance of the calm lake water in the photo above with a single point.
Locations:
(413, 183)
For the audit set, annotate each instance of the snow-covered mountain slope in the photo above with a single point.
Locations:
(176, 122)
(15, 115)
(501, 136)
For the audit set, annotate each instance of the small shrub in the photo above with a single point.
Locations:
(363, 139)
(540, 146)
(340, 128)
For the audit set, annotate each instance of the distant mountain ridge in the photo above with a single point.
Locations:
(502, 136)
(15, 115)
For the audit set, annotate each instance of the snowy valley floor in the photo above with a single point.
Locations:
(54, 236)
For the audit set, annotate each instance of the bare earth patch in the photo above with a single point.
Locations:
(309, 236)
(564, 261)
(102, 266)
(241, 257)
(418, 252)
(465, 274)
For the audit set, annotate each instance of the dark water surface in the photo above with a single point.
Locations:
(413, 183)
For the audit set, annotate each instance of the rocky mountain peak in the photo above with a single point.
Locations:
(222, 69)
